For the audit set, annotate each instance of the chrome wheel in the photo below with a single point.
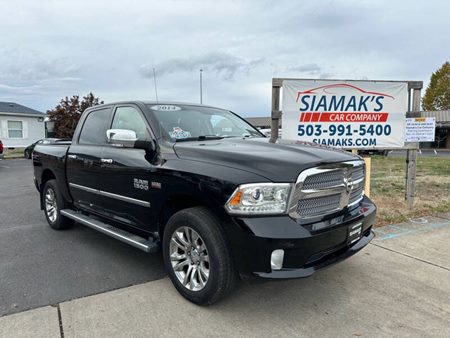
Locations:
(189, 258)
(51, 207)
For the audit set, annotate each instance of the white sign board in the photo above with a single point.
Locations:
(420, 129)
(345, 114)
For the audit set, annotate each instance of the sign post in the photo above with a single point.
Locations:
(411, 152)
(349, 114)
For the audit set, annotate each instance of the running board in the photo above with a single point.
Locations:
(141, 243)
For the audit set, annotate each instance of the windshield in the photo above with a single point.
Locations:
(184, 123)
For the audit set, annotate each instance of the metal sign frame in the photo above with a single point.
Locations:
(414, 95)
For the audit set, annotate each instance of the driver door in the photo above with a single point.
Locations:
(126, 174)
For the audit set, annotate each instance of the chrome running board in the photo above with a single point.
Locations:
(141, 243)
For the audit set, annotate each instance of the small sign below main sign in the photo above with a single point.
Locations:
(420, 129)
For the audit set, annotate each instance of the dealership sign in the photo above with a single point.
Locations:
(346, 114)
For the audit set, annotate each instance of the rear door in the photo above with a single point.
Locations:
(83, 164)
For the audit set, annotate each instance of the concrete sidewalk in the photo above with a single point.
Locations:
(398, 286)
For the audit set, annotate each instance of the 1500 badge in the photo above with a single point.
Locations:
(140, 184)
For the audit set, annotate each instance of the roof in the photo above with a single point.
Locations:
(440, 115)
(162, 103)
(17, 109)
(180, 103)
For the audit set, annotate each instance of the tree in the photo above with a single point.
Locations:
(437, 95)
(67, 113)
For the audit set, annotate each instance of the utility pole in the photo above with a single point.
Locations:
(156, 88)
(201, 86)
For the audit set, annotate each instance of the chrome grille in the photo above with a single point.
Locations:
(323, 181)
(358, 173)
(322, 190)
(318, 205)
(355, 195)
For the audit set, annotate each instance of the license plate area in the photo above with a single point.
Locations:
(354, 233)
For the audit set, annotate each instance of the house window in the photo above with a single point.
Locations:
(15, 129)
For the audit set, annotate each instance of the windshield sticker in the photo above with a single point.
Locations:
(179, 133)
(165, 107)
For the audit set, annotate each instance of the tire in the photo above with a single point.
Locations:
(212, 254)
(53, 204)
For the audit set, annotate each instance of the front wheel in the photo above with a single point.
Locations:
(198, 257)
(53, 204)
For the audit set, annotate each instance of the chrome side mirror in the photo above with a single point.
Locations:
(121, 137)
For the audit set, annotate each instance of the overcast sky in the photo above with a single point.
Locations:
(50, 49)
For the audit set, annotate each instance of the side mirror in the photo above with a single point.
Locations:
(128, 139)
(121, 137)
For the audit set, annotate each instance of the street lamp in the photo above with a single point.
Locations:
(201, 86)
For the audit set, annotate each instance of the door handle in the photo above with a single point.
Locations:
(74, 157)
(107, 160)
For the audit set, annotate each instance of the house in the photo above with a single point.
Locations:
(19, 125)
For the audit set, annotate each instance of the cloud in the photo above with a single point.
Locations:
(52, 49)
(225, 65)
(28, 66)
(310, 69)
(22, 90)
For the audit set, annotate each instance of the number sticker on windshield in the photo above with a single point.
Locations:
(165, 107)
(179, 133)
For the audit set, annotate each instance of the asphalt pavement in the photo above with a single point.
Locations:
(40, 266)
(398, 286)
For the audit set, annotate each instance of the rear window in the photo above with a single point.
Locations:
(95, 126)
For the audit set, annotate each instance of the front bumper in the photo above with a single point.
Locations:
(307, 247)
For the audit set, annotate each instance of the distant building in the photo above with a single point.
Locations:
(260, 122)
(442, 138)
(19, 125)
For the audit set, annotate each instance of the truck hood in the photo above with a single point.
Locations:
(279, 162)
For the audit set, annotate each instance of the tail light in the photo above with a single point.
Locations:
(1, 147)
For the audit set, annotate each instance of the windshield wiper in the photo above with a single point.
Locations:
(200, 138)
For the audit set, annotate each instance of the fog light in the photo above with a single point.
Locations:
(276, 260)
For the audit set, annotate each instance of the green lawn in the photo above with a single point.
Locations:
(13, 153)
(388, 188)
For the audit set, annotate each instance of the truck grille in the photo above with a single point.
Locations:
(323, 190)
(318, 205)
(323, 181)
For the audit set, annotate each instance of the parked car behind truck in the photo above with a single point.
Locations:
(209, 190)
(28, 151)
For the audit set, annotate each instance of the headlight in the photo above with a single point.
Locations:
(259, 199)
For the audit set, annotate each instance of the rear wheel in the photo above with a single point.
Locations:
(197, 256)
(53, 204)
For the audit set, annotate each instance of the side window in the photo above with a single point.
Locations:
(131, 119)
(95, 126)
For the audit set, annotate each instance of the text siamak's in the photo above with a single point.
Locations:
(341, 103)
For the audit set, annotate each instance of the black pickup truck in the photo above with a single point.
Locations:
(213, 193)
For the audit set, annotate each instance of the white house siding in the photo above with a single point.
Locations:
(33, 129)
